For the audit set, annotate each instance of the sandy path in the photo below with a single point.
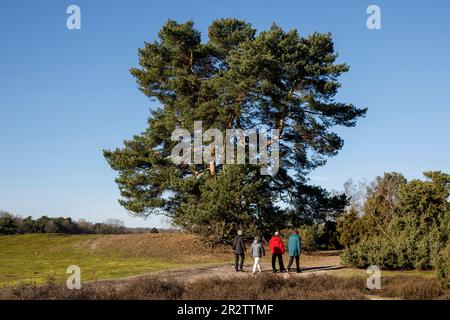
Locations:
(316, 263)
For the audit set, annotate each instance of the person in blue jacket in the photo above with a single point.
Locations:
(295, 249)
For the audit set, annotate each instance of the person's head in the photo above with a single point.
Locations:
(256, 240)
(296, 231)
(239, 232)
(277, 233)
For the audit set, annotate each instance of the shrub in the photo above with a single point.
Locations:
(311, 236)
(349, 228)
(266, 287)
(411, 288)
(405, 226)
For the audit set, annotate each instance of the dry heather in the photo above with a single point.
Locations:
(412, 288)
(264, 287)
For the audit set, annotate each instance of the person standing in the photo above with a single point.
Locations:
(295, 248)
(239, 252)
(277, 249)
(257, 252)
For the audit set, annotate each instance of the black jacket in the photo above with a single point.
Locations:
(239, 245)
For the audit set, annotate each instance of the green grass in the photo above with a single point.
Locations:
(35, 257)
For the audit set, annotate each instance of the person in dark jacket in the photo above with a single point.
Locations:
(277, 249)
(295, 248)
(239, 252)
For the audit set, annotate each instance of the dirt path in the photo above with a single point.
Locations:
(317, 263)
(225, 271)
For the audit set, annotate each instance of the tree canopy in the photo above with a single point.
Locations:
(238, 79)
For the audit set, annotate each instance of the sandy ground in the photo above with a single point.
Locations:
(316, 263)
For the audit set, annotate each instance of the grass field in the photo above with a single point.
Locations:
(34, 257)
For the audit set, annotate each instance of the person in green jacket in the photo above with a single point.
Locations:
(295, 248)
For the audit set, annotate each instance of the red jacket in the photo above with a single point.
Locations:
(276, 245)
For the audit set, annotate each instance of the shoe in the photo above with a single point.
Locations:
(274, 271)
(283, 271)
(299, 271)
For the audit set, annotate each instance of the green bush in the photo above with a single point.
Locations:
(372, 251)
(442, 259)
(349, 228)
(311, 236)
(406, 225)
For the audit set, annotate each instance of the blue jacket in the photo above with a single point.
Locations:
(295, 245)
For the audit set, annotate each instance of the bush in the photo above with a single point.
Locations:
(373, 251)
(442, 259)
(329, 238)
(349, 228)
(311, 236)
(443, 267)
(406, 225)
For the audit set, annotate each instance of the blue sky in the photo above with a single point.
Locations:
(65, 95)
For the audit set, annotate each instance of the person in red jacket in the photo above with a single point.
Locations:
(277, 249)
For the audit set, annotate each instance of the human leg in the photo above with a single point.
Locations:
(291, 260)
(241, 265)
(274, 257)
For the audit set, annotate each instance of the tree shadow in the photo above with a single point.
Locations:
(321, 268)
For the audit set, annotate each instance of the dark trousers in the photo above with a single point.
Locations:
(238, 263)
(297, 262)
(280, 261)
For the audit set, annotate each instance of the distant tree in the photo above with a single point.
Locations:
(8, 224)
(350, 228)
(383, 202)
(27, 225)
(51, 227)
(85, 226)
(154, 230)
(356, 193)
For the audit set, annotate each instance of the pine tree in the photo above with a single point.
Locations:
(238, 79)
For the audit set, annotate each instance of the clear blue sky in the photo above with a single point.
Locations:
(67, 95)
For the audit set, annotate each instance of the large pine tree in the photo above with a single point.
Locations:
(237, 80)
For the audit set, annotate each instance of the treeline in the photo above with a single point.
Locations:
(10, 224)
(400, 225)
